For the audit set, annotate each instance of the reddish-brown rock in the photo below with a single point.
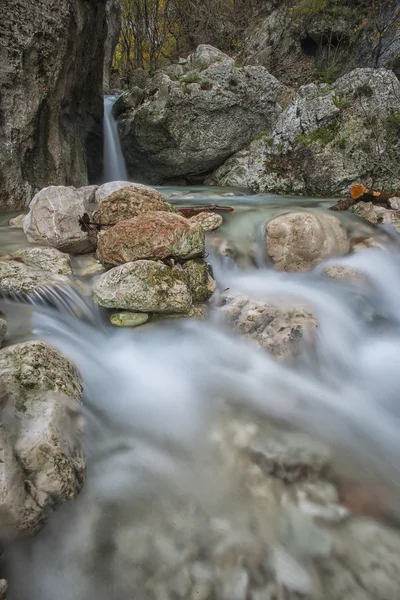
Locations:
(152, 236)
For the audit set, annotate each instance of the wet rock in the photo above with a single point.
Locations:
(3, 589)
(46, 259)
(87, 266)
(365, 210)
(3, 330)
(208, 221)
(155, 235)
(278, 330)
(128, 319)
(17, 221)
(40, 435)
(17, 278)
(299, 241)
(53, 220)
(199, 279)
(344, 273)
(368, 243)
(191, 125)
(128, 202)
(144, 286)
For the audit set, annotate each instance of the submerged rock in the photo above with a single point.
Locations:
(155, 236)
(128, 319)
(18, 278)
(209, 221)
(144, 286)
(192, 124)
(278, 330)
(40, 435)
(128, 202)
(46, 259)
(299, 241)
(53, 220)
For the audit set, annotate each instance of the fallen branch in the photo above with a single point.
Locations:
(192, 211)
(360, 193)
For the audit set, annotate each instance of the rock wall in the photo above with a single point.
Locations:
(114, 14)
(51, 105)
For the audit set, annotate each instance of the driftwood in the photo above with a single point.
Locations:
(192, 211)
(360, 193)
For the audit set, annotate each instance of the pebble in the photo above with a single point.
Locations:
(128, 319)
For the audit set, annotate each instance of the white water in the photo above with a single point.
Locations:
(152, 398)
(114, 162)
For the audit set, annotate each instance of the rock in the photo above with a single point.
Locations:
(46, 259)
(128, 202)
(128, 319)
(18, 278)
(299, 241)
(17, 221)
(40, 437)
(394, 203)
(113, 19)
(326, 140)
(342, 272)
(3, 330)
(144, 286)
(191, 125)
(87, 266)
(108, 188)
(367, 243)
(151, 236)
(50, 134)
(3, 589)
(53, 220)
(89, 193)
(199, 279)
(208, 221)
(365, 210)
(278, 330)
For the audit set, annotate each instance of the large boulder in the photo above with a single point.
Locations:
(45, 259)
(299, 241)
(18, 278)
(144, 286)
(328, 138)
(42, 455)
(128, 202)
(51, 95)
(152, 236)
(191, 124)
(53, 220)
(278, 330)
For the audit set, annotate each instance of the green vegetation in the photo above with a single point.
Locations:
(205, 84)
(186, 89)
(341, 102)
(192, 77)
(323, 135)
(342, 143)
(393, 124)
(363, 90)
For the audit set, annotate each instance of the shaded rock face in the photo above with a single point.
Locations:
(113, 14)
(51, 105)
(190, 124)
(328, 138)
(152, 236)
(299, 241)
(40, 434)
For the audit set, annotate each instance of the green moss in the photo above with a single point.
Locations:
(393, 124)
(186, 89)
(323, 135)
(342, 143)
(205, 84)
(341, 102)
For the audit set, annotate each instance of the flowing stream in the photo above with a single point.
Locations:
(167, 512)
(114, 162)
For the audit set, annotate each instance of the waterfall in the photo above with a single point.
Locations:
(114, 162)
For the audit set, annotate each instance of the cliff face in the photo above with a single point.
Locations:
(51, 86)
(114, 15)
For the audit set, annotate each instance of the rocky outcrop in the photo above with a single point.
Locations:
(53, 220)
(299, 241)
(328, 138)
(191, 120)
(51, 101)
(42, 456)
(113, 17)
(154, 236)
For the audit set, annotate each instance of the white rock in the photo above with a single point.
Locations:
(46, 259)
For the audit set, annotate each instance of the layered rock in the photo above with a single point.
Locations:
(154, 236)
(40, 438)
(53, 220)
(299, 241)
(328, 138)
(189, 122)
(51, 101)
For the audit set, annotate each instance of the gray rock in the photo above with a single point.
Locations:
(128, 319)
(17, 221)
(113, 19)
(299, 241)
(46, 259)
(199, 279)
(18, 278)
(208, 221)
(3, 330)
(40, 435)
(89, 193)
(365, 210)
(53, 220)
(50, 134)
(105, 190)
(87, 266)
(278, 330)
(144, 286)
(327, 139)
(192, 125)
